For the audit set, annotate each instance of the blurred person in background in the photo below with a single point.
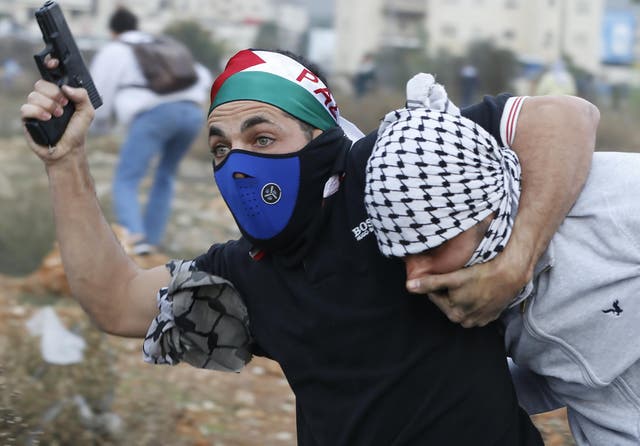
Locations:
(468, 84)
(306, 284)
(158, 126)
(365, 78)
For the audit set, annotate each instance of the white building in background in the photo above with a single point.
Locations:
(321, 48)
(365, 26)
(19, 13)
(538, 31)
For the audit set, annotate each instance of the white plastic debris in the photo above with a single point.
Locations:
(57, 344)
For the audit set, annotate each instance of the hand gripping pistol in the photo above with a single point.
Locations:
(71, 71)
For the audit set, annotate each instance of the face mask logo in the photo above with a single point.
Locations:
(271, 193)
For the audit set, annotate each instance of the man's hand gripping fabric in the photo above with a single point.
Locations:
(472, 296)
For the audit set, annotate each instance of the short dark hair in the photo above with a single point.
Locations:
(307, 129)
(123, 20)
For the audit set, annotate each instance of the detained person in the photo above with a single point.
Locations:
(443, 194)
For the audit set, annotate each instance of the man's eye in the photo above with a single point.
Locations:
(220, 151)
(263, 141)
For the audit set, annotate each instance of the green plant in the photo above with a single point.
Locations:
(26, 224)
(268, 36)
(204, 48)
(497, 67)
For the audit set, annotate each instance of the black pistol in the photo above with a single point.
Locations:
(71, 71)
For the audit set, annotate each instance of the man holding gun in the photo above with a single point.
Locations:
(369, 363)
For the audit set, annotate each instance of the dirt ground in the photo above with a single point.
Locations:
(182, 405)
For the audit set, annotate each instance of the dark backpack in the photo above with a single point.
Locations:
(167, 64)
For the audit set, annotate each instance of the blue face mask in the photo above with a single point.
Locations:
(260, 190)
(276, 200)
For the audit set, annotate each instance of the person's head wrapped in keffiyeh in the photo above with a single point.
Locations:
(434, 175)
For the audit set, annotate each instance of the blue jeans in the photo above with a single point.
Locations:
(167, 132)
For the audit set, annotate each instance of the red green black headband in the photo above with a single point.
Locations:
(277, 80)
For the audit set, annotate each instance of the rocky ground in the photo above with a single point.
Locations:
(149, 404)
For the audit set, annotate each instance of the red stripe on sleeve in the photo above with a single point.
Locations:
(511, 121)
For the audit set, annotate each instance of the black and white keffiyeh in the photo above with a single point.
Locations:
(433, 175)
(203, 321)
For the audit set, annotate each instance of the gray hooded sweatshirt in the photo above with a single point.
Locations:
(578, 328)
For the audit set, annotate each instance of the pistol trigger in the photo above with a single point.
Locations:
(53, 75)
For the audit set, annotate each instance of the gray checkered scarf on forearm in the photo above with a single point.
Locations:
(433, 175)
(203, 321)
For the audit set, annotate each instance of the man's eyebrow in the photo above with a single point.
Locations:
(216, 131)
(253, 121)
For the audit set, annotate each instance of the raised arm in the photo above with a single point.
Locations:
(554, 139)
(113, 290)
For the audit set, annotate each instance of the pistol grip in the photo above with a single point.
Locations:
(48, 133)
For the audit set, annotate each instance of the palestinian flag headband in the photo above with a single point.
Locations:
(278, 80)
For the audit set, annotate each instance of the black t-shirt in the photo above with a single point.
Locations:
(369, 363)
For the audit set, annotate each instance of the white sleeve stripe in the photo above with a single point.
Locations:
(509, 120)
